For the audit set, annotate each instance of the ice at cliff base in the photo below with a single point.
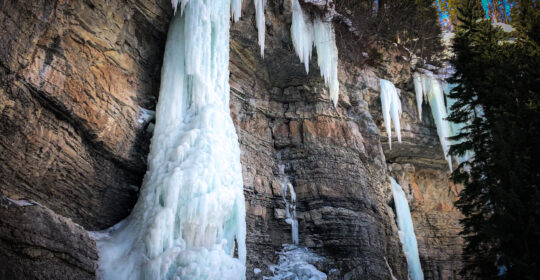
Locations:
(190, 215)
(406, 231)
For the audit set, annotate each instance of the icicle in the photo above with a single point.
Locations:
(391, 108)
(418, 89)
(190, 215)
(433, 93)
(301, 34)
(435, 99)
(406, 231)
(455, 128)
(327, 56)
(260, 20)
(305, 33)
(236, 9)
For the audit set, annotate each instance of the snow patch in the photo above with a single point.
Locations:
(296, 263)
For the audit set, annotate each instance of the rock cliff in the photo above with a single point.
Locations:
(77, 78)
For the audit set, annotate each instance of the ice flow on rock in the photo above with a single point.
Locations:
(190, 216)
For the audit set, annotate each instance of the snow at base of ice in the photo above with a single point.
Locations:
(189, 220)
(305, 33)
(21, 202)
(406, 231)
(296, 263)
(391, 109)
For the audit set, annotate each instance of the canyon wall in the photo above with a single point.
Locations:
(76, 77)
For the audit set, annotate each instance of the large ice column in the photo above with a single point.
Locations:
(391, 109)
(305, 32)
(406, 231)
(190, 217)
(260, 21)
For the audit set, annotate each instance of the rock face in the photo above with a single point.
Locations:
(332, 156)
(35, 243)
(74, 77)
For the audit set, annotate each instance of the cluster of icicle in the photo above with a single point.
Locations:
(391, 109)
(432, 90)
(406, 231)
(435, 91)
(190, 217)
(305, 33)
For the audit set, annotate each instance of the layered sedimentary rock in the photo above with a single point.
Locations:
(74, 75)
(36, 243)
(73, 137)
(332, 156)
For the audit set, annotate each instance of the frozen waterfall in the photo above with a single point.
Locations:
(295, 262)
(189, 220)
(391, 109)
(290, 205)
(406, 231)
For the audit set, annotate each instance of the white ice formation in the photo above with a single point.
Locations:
(406, 231)
(305, 32)
(455, 128)
(296, 263)
(189, 220)
(260, 21)
(290, 205)
(391, 109)
(429, 88)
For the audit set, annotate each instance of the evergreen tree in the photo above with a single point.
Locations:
(499, 97)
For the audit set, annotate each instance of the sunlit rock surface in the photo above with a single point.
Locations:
(73, 142)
